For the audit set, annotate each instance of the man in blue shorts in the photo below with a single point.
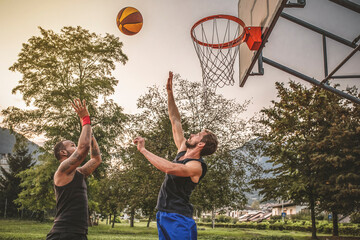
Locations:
(174, 217)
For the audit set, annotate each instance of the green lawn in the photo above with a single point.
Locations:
(30, 230)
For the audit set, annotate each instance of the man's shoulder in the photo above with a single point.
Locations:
(61, 178)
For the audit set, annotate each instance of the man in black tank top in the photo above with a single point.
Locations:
(71, 220)
(174, 218)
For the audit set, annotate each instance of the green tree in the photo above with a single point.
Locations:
(113, 193)
(227, 179)
(200, 108)
(37, 183)
(336, 155)
(288, 143)
(298, 128)
(56, 68)
(145, 178)
(18, 161)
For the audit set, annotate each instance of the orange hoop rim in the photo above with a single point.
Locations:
(237, 41)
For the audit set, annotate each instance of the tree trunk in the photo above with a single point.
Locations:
(5, 207)
(113, 223)
(313, 220)
(90, 220)
(335, 224)
(213, 217)
(109, 219)
(149, 220)
(132, 215)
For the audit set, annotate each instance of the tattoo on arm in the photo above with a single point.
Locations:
(95, 160)
(89, 167)
(94, 148)
(72, 162)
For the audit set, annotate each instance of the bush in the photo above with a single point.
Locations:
(325, 227)
(205, 220)
(349, 230)
(223, 219)
(263, 225)
(303, 226)
(277, 226)
(117, 219)
(276, 217)
(304, 215)
(321, 217)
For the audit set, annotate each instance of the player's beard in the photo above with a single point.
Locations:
(68, 154)
(190, 146)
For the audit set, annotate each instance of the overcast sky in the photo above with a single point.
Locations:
(164, 43)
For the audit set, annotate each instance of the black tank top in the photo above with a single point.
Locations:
(174, 195)
(72, 206)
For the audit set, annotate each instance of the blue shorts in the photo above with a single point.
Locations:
(173, 226)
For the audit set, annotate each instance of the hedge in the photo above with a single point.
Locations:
(302, 226)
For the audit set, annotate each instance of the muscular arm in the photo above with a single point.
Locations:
(95, 158)
(77, 157)
(190, 169)
(174, 116)
(70, 164)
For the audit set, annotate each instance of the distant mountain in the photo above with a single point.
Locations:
(261, 160)
(7, 142)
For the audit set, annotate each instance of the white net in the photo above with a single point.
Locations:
(215, 46)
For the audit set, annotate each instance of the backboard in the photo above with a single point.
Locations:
(262, 13)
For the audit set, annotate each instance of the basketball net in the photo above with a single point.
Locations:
(215, 39)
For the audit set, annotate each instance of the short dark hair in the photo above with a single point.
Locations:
(58, 147)
(211, 143)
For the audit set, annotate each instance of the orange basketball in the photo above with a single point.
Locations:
(129, 20)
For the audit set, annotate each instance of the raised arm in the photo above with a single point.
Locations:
(95, 158)
(174, 115)
(78, 156)
(190, 169)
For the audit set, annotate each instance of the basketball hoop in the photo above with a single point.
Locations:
(217, 51)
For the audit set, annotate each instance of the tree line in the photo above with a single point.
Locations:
(311, 136)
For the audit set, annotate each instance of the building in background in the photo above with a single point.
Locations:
(289, 208)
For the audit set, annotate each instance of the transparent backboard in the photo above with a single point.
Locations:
(257, 13)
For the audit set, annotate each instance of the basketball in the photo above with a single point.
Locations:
(129, 21)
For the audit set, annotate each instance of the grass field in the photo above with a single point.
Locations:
(30, 230)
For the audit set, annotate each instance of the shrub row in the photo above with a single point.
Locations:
(353, 230)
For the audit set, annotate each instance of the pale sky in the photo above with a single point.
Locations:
(164, 43)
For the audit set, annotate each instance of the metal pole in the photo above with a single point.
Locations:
(260, 67)
(299, 4)
(318, 30)
(325, 55)
(341, 64)
(346, 76)
(311, 80)
(348, 4)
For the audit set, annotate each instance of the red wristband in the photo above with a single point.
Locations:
(85, 120)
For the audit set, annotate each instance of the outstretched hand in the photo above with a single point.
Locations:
(140, 143)
(169, 82)
(80, 108)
